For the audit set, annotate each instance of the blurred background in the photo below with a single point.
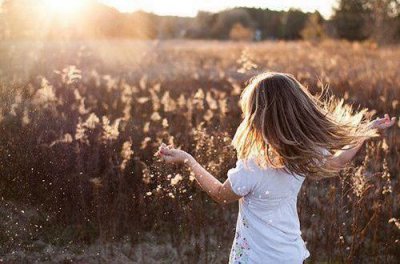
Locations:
(254, 20)
(89, 90)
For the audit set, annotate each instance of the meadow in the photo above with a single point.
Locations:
(80, 123)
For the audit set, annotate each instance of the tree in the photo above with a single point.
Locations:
(293, 22)
(200, 26)
(227, 19)
(374, 19)
(313, 29)
(239, 32)
(385, 16)
(350, 19)
(269, 22)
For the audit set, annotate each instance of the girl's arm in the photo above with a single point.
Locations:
(339, 160)
(342, 157)
(219, 192)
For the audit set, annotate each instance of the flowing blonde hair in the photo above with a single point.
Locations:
(286, 127)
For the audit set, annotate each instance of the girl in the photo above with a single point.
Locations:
(286, 135)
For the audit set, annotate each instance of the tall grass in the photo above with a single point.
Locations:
(80, 123)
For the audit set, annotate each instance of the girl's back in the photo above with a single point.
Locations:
(268, 228)
(288, 130)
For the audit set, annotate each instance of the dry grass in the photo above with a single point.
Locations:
(77, 144)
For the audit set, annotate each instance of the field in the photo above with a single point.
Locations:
(80, 123)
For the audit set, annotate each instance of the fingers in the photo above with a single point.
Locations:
(390, 122)
(385, 118)
(165, 153)
(385, 122)
(379, 121)
(158, 153)
(167, 159)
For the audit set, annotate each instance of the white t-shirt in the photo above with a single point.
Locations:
(268, 227)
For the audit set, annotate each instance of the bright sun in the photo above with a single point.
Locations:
(64, 6)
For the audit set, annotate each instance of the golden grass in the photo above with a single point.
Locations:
(80, 123)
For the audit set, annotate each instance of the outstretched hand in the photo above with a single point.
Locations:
(172, 155)
(383, 123)
(220, 192)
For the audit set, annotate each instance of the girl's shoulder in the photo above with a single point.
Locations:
(256, 173)
(251, 167)
(246, 164)
(243, 177)
(248, 177)
(255, 166)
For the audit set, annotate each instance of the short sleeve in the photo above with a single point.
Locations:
(240, 179)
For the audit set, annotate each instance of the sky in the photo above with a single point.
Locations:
(191, 7)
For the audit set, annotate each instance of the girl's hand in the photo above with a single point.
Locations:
(382, 123)
(172, 155)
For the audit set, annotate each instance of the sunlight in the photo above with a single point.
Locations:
(191, 7)
(64, 7)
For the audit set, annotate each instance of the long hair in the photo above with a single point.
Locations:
(286, 127)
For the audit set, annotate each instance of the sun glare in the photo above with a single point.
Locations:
(64, 6)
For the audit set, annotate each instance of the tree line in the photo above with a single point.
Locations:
(378, 20)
